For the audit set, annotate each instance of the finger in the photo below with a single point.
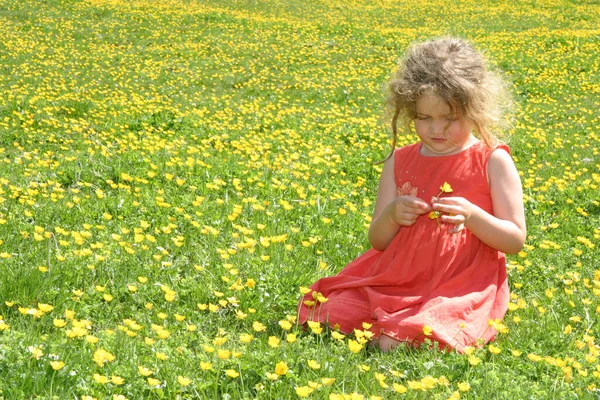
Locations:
(410, 217)
(417, 204)
(450, 209)
(447, 200)
(416, 207)
(453, 219)
(457, 228)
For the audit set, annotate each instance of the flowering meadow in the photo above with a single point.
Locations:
(174, 173)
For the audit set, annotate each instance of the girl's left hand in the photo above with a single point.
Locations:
(458, 211)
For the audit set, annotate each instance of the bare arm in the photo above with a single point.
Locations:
(392, 212)
(505, 231)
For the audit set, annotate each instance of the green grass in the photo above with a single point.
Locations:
(147, 147)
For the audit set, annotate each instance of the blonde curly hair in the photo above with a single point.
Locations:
(453, 70)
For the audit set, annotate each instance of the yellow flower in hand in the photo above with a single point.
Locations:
(446, 188)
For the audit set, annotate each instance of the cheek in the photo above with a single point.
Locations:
(420, 126)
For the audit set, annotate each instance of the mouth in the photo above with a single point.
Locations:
(438, 140)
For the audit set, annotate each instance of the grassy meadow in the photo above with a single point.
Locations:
(173, 172)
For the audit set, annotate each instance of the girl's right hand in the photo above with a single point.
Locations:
(404, 210)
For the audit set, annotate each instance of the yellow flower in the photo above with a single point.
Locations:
(246, 338)
(285, 325)
(153, 382)
(354, 346)
(271, 376)
(273, 341)
(144, 371)
(59, 323)
(313, 364)
(494, 349)
(101, 356)
(315, 327)
(464, 386)
(183, 381)
(303, 391)
(281, 368)
(327, 381)
(473, 360)
(258, 327)
(290, 337)
(205, 366)
(454, 396)
(427, 330)
(435, 215)
(91, 339)
(398, 388)
(223, 354)
(446, 188)
(232, 373)
(56, 365)
(45, 307)
(117, 380)
(304, 290)
(337, 335)
(100, 379)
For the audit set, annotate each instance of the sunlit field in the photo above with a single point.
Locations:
(173, 173)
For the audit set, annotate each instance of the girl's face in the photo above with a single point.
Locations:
(440, 130)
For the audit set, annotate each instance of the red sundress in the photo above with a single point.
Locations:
(450, 282)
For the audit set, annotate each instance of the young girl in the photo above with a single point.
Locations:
(447, 209)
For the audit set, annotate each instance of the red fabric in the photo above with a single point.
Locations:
(452, 283)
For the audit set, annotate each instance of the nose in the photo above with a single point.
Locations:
(438, 128)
